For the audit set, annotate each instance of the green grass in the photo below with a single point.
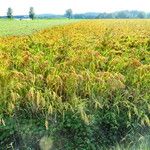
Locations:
(26, 27)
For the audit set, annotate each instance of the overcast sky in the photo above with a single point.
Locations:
(21, 7)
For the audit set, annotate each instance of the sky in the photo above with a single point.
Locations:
(21, 7)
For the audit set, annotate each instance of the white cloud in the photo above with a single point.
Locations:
(78, 6)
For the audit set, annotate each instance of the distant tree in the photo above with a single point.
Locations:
(122, 14)
(69, 13)
(10, 13)
(79, 16)
(141, 15)
(31, 13)
(148, 15)
(105, 16)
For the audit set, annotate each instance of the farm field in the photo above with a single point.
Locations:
(26, 27)
(84, 85)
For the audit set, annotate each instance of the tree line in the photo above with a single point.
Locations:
(69, 14)
(114, 15)
(125, 14)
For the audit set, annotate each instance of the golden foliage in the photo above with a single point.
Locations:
(84, 60)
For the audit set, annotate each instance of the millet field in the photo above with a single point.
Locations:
(80, 86)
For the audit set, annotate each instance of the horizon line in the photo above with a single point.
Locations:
(48, 13)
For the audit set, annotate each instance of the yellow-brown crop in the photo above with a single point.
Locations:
(81, 67)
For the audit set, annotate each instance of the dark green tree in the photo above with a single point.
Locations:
(31, 13)
(69, 13)
(10, 13)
